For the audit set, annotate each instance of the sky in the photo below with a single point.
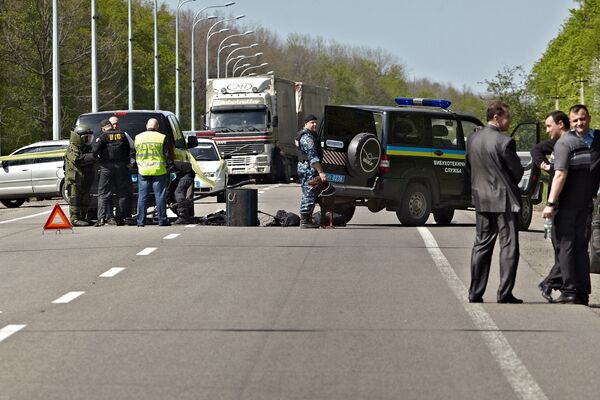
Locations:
(456, 42)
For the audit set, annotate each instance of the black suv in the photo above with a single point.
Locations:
(410, 159)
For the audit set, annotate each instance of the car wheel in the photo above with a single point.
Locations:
(364, 155)
(346, 210)
(415, 206)
(443, 216)
(12, 203)
(525, 214)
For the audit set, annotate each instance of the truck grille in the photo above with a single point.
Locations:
(248, 148)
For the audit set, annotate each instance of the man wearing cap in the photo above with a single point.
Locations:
(111, 148)
(309, 166)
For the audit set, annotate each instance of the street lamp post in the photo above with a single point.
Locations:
(193, 74)
(243, 58)
(240, 67)
(129, 58)
(156, 79)
(94, 60)
(253, 67)
(228, 59)
(179, 4)
(221, 48)
(208, 36)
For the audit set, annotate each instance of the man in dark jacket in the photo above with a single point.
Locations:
(112, 150)
(495, 171)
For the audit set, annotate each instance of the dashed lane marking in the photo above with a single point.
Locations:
(513, 368)
(171, 236)
(8, 330)
(146, 251)
(67, 298)
(29, 216)
(190, 225)
(111, 272)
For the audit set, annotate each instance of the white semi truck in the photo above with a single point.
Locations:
(250, 116)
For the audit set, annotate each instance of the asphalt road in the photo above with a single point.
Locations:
(374, 310)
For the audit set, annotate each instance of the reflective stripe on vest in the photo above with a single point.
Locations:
(149, 153)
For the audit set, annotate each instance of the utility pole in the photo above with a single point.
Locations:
(156, 78)
(94, 60)
(55, 74)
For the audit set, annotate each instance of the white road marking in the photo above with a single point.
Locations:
(261, 191)
(67, 298)
(9, 330)
(29, 216)
(171, 236)
(146, 251)
(111, 272)
(190, 225)
(513, 368)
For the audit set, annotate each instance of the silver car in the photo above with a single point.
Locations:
(38, 177)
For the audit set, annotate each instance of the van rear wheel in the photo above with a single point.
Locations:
(415, 206)
(345, 210)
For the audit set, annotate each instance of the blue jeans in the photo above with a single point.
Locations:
(159, 184)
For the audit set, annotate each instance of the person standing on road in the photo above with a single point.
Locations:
(112, 150)
(557, 124)
(569, 203)
(154, 161)
(79, 174)
(495, 171)
(309, 166)
(114, 120)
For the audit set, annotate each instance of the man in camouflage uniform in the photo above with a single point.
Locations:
(79, 174)
(309, 166)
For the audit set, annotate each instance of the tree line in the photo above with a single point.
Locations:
(355, 75)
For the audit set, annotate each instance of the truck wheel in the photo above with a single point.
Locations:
(525, 214)
(346, 210)
(364, 154)
(415, 205)
(12, 203)
(443, 216)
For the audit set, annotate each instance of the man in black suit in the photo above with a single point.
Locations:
(495, 171)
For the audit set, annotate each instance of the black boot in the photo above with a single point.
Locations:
(306, 222)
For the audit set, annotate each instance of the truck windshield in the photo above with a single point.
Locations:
(238, 120)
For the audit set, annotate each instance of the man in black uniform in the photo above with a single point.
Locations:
(184, 203)
(569, 203)
(112, 150)
(557, 124)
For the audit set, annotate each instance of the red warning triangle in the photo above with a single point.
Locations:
(58, 219)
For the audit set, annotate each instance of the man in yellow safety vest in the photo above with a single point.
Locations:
(154, 160)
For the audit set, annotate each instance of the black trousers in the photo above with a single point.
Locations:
(113, 178)
(183, 195)
(490, 226)
(571, 230)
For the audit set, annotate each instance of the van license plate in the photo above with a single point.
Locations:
(335, 178)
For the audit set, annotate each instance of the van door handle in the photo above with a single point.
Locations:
(438, 153)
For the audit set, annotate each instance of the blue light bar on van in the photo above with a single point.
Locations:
(409, 101)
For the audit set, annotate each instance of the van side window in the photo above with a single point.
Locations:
(407, 129)
(444, 134)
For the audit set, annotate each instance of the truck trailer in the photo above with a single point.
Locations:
(255, 120)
